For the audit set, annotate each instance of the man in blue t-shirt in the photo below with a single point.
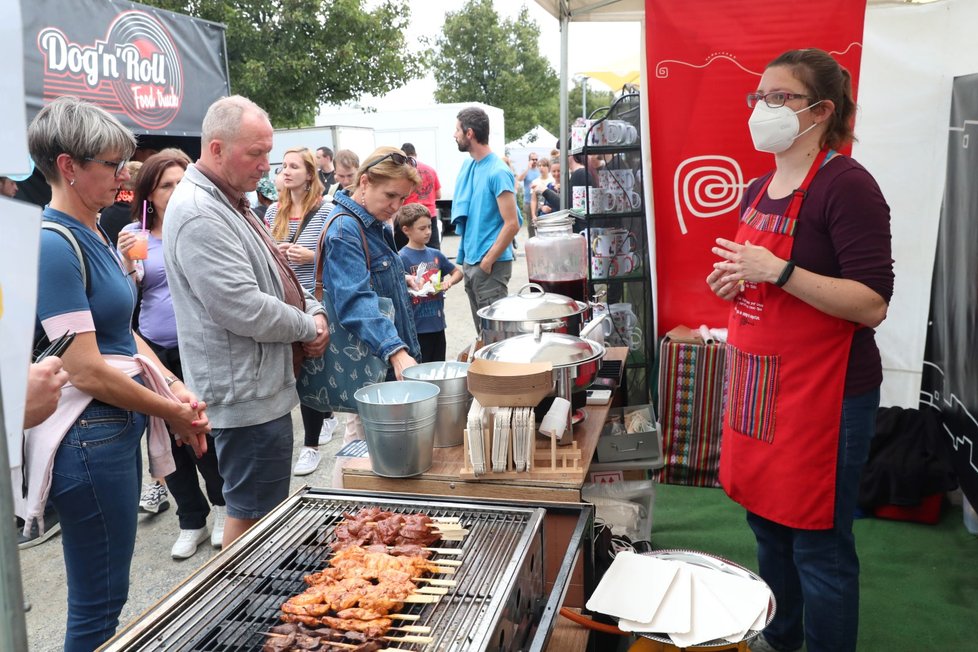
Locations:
(484, 213)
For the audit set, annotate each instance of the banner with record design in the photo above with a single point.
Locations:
(703, 58)
(157, 71)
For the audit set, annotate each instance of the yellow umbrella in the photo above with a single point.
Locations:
(614, 80)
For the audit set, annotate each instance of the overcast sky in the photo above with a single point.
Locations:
(592, 46)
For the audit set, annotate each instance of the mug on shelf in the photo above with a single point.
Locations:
(601, 266)
(623, 316)
(634, 200)
(579, 197)
(623, 178)
(635, 339)
(623, 265)
(611, 242)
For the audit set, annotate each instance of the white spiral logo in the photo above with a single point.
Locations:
(707, 186)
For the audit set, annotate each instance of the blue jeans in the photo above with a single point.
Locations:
(815, 573)
(95, 488)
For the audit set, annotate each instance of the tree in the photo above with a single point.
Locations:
(479, 58)
(290, 56)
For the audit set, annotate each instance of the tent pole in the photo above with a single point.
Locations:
(563, 137)
(13, 636)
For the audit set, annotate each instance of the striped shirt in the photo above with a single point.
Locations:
(309, 238)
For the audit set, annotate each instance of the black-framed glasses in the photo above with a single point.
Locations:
(397, 157)
(118, 165)
(775, 99)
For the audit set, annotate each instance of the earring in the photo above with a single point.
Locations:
(71, 183)
(149, 208)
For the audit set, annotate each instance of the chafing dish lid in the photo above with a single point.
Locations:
(557, 348)
(531, 303)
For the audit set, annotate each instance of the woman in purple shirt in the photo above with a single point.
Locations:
(158, 177)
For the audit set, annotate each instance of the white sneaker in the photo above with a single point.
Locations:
(326, 434)
(217, 534)
(186, 544)
(308, 461)
(154, 498)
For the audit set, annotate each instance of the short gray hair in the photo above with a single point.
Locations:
(80, 129)
(223, 119)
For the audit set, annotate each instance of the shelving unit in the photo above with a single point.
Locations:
(620, 285)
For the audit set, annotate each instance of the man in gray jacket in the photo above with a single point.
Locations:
(240, 311)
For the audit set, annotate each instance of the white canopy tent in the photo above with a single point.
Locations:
(538, 141)
(912, 50)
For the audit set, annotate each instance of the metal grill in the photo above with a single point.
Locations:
(231, 601)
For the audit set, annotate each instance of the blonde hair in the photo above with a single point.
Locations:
(378, 168)
(314, 194)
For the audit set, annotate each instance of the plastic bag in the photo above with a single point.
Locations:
(624, 506)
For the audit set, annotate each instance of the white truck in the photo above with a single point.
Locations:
(432, 132)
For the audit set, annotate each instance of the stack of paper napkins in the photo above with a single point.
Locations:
(691, 603)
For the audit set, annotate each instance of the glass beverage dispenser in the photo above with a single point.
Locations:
(556, 257)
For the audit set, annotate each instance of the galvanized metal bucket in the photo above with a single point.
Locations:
(453, 401)
(399, 425)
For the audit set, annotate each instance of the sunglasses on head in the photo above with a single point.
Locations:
(397, 157)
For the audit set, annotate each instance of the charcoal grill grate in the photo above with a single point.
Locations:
(231, 601)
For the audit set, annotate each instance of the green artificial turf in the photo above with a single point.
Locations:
(919, 583)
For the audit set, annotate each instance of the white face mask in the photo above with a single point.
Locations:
(773, 130)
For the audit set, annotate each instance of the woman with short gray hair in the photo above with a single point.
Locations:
(86, 457)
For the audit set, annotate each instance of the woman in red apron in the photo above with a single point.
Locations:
(808, 275)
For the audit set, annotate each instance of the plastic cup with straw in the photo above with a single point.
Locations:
(140, 248)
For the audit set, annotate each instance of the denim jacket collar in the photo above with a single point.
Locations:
(344, 199)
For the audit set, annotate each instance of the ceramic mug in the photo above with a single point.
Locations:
(634, 200)
(623, 264)
(623, 316)
(600, 266)
(598, 131)
(578, 134)
(624, 178)
(601, 201)
(611, 242)
(617, 201)
(635, 339)
(631, 134)
(579, 197)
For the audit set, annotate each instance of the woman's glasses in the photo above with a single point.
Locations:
(118, 165)
(397, 157)
(774, 100)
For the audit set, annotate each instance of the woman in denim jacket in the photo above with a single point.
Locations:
(382, 183)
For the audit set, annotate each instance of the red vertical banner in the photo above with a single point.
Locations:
(703, 57)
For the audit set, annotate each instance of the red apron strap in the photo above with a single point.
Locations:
(794, 206)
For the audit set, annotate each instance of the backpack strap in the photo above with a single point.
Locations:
(318, 291)
(305, 222)
(66, 233)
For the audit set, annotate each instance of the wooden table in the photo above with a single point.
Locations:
(443, 479)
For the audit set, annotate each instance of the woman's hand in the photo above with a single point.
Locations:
(189, 423)
(746, 262)
(724, 289)
(401, 360)
(126, 240)
(44, 383)
(299, 255)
